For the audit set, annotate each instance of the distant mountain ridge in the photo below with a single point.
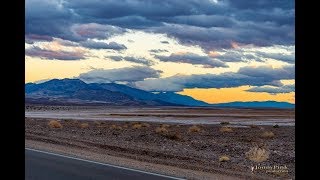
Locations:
(256, 104)
(75, 91)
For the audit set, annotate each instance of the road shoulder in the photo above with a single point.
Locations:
(124, 162)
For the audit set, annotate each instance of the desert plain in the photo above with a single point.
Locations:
(187, 142)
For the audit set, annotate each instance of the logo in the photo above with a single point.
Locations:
(270, 169)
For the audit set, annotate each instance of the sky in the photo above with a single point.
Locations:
(212, 50)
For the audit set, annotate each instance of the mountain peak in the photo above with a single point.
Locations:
(66, 80)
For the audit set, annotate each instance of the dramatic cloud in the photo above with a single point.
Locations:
(31, 38)
(192, 59)
(164, 42)
(245, 76)
(66, 42)
(50, 54)
(115, 58)
(134, 22)
(258, 33)
(151, 9)
(53, 18)
(204, 20)
(127, 74)
(260, 4)
(289, 58)
(214, 39)
(102, 45)
(233, 56)
(158, 50)
(94, 30)
(267, 72)
(252, 53)
(47, 18)
(206, 23)
(273, 90)
(138, 60)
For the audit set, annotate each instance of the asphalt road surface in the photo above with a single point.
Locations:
(40, 165)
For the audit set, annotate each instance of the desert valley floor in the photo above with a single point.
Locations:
(195, 143)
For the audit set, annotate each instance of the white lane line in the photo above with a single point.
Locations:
(104, 164)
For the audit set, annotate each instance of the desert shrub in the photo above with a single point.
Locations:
(55, 124)
(173, 136)
(226, 129)
(115, 127)
(165, 125)
(134, 122)
(145, 125)
(224, 123)
(97, 123)
(136, 126)
(161, 130)
(84, 125)
(276, 126)
(125, 126)
(170, 135)
(194, 128)
(224, 158)
(253, 126)
(257, 154)
(267, 134)
(74, 121)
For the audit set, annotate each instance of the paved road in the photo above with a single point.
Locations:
(40, 165)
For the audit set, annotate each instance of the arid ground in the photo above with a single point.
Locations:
(196, 143)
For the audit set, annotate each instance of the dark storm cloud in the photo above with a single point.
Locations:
(136, 22)
(127, 74)
(158, 50)
(245, 76)
(31, 38)
(102, 45)
(285, 54)
(50, 55)
(267, 72)
(115, 58)
(273, 90)
(138, 60)
(94, 30)
(260, 34)
(164, 42)
(180, 82)
(53, 18)
(289, 58)
(146, 8)
(191, 58)
(203, 20)
(204, 23)
(47, 18)
(261, 4)
(235, 56)
(66, 42)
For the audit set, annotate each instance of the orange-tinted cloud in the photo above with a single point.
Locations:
(213, 54)
(234, 45)
(54, 54)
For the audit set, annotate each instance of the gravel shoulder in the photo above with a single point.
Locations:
(125, 162)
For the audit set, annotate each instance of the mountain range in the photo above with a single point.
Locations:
(77, 92)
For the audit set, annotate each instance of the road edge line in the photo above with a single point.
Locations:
(104, 164)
